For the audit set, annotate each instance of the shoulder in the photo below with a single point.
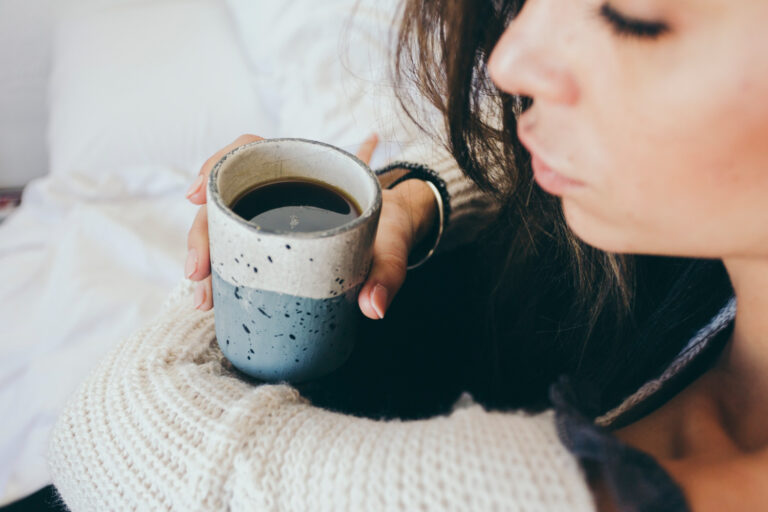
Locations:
(622, 474)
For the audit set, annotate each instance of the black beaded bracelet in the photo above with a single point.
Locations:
(422, 172)
(439, 188)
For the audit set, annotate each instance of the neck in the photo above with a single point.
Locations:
(743, 367)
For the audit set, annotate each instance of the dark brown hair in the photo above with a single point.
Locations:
(556, 303)
(443, 49)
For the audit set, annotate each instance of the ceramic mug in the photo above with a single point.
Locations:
(285, 303)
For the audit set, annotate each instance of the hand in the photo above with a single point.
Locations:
(408, 212)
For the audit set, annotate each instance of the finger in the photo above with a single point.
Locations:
(388, 270)
(198, 264)
(384, 281)
(367, 148)
(196, 192)
(203, 296)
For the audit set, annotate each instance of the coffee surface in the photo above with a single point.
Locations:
(295, 205)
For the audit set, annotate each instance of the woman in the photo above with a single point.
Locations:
(641, 117)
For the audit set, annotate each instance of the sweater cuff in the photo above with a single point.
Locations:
(470, 208)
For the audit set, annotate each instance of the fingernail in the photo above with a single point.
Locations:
(191, 265)
(199, 295)
(195, 187)
(379, 299)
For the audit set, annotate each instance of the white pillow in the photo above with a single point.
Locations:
(159, 83)
(333, 64)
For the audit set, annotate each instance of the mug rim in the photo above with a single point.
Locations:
(364, 216)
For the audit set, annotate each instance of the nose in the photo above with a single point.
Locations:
(528, 59)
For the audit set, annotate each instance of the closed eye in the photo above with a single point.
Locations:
(633, 27)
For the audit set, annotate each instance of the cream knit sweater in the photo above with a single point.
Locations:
(165, 424)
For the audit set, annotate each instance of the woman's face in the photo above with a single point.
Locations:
(649, 119)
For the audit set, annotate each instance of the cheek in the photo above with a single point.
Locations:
(676, 168)
(673, 210)
(644, 194)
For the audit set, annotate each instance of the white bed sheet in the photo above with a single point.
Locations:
(97, 245)
(82, 266)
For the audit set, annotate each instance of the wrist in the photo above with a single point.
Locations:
(418, 200)
(426, 218)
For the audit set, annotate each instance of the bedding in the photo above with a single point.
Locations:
(158, 83)
(82, 265)
(334, 67)
(137, 104)
(26, 42)
(141, 93)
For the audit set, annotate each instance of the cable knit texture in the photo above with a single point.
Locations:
(164, 423)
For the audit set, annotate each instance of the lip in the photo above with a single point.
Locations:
(550, 180)
(547, 178)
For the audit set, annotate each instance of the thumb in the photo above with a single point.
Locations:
(390, 262)
(367, 148)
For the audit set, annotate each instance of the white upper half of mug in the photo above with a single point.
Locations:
(319, 264)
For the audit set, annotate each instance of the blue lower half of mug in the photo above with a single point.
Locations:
(280, 337)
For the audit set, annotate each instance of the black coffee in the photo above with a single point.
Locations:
(295, 205)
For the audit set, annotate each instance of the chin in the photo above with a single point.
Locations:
(596, 232)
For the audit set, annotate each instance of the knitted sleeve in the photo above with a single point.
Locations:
(470, 207)
(165, 424)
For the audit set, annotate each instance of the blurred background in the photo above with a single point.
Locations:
(25, 30)
(108, 109)
(25, 60)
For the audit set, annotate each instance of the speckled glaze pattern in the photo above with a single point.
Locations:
(278, 334)
(285, 303)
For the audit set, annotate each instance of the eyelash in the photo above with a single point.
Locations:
(632, 27)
